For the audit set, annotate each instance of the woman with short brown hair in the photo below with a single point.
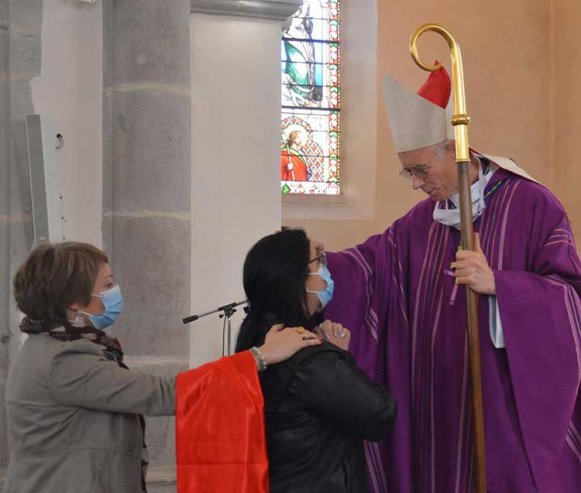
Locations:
(73, 407)
(56, 276)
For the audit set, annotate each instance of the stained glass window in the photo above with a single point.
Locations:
(310, 120)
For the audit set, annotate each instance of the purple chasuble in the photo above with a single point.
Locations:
(396, 294)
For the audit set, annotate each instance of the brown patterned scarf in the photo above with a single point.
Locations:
(64, 331)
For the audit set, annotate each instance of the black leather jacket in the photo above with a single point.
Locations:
(320, 406)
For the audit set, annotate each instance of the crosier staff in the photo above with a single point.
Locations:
(460, 122)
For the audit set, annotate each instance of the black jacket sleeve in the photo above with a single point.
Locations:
(334, 387)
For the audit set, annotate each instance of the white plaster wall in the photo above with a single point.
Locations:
(235, 151)
(68, 94)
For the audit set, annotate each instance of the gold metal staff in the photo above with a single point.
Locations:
(460, 122)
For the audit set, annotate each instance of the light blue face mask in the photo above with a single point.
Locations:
(112, 300)
(326, 294)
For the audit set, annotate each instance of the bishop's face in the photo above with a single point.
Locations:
(431, 169)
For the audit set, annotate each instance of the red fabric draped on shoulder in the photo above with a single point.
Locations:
(220, 435)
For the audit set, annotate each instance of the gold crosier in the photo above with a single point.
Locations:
(460, 122)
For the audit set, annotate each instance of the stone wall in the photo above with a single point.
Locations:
(20, 48)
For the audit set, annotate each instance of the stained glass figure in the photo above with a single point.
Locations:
(310, 121)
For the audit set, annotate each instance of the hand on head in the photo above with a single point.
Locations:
(319, 246)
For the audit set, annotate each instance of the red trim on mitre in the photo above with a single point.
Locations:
(437, 88)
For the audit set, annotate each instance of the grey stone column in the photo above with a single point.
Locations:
(4, 213)
(146, 188)
(20, 25)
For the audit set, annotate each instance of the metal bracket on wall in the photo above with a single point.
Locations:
(48, 216)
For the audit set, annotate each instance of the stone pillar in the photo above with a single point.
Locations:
(146, 188)
(20, 26)
(4, 214)
(236, 196)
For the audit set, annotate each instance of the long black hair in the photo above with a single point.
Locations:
(275, 273)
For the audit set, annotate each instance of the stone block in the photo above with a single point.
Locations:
(151, 151)
(4, 8)
(107, 151)
(161, 488)
(150, 258)
(4, 53)
(25, 55)
(3, 431)
(20, 100)
(4, 163)
(26, 15)
(5, 283)
(151, 41)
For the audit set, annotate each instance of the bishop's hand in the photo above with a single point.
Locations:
(471, 268)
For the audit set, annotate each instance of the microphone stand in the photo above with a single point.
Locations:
(226, 312)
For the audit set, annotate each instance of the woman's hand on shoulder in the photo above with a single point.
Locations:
(335, 333)
(283, 342)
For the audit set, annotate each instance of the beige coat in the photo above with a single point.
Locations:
(72, 419)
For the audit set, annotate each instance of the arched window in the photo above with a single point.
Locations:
(310, 120)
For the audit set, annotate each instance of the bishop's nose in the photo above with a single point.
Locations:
(417, 182)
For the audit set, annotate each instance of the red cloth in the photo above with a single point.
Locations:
(220, 435)
(437, 88)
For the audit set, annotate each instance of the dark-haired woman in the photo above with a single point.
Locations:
(319, 405)
(72, 406)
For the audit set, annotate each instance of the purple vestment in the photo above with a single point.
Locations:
(397, 295)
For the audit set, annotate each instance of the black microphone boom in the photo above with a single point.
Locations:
(227, 309)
